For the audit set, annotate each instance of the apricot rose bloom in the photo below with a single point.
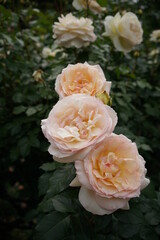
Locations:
(73, 32)
(75, 124)
(125, 32)
(111, 174)
(81, 78)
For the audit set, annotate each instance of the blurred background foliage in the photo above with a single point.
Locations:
(25, 29)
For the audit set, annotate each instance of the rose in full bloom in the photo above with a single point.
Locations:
(110, 174)
(92, 5)
(73, 32)
(155, 36)
(75, 124)
(81, 78)
(125, 31)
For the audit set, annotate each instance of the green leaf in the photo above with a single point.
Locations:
(100, 237)
(33, 140)
(48, 166)
(18, 97)
(102, 222)
(128, 230)
(31, 111)
(129, 222)
(133, 216)
(102, 3)
(153, 218)
(53, 226)
(60, 179)
(44, 183)
(149, 191)
(148, 233)
(145, 147)
(24, 146)
(63, 204)
(80, 227)
(19, 110)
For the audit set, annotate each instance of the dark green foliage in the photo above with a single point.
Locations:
(25, 29)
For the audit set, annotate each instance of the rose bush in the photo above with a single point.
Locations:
(75, 124)
(25, 30)
(125, 31)
(81, 78)
(111, 174)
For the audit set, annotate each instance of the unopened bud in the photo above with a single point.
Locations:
(136, 54)
(140, 11)
(105, 98)
(38, 76)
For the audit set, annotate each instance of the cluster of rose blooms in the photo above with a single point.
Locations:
(124, 31)
(79, 128)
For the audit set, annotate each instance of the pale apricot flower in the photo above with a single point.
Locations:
(81, 78)
(125, 32)
(73, 32)
(110, 175)
(75, 124)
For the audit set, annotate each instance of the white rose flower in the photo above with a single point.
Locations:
(125, 31)
(92, 5)
(47, 52)
(155, 36)
(73, 32)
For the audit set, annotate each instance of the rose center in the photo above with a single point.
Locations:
(84, 123)
(80, 81)
(109, 167)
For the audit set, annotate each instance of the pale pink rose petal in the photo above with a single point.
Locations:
(80, 155)
(111, 204)
(113, 115)
(75, 182)
(108, 87)
(144, 183)
(82, 177)
(87, 199)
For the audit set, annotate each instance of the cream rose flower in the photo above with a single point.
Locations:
(125, 31)
(75, 124)
(73, 32)
(92, 4)
(47, 52)
(81, 78)
(155, 36)
(111, 174)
